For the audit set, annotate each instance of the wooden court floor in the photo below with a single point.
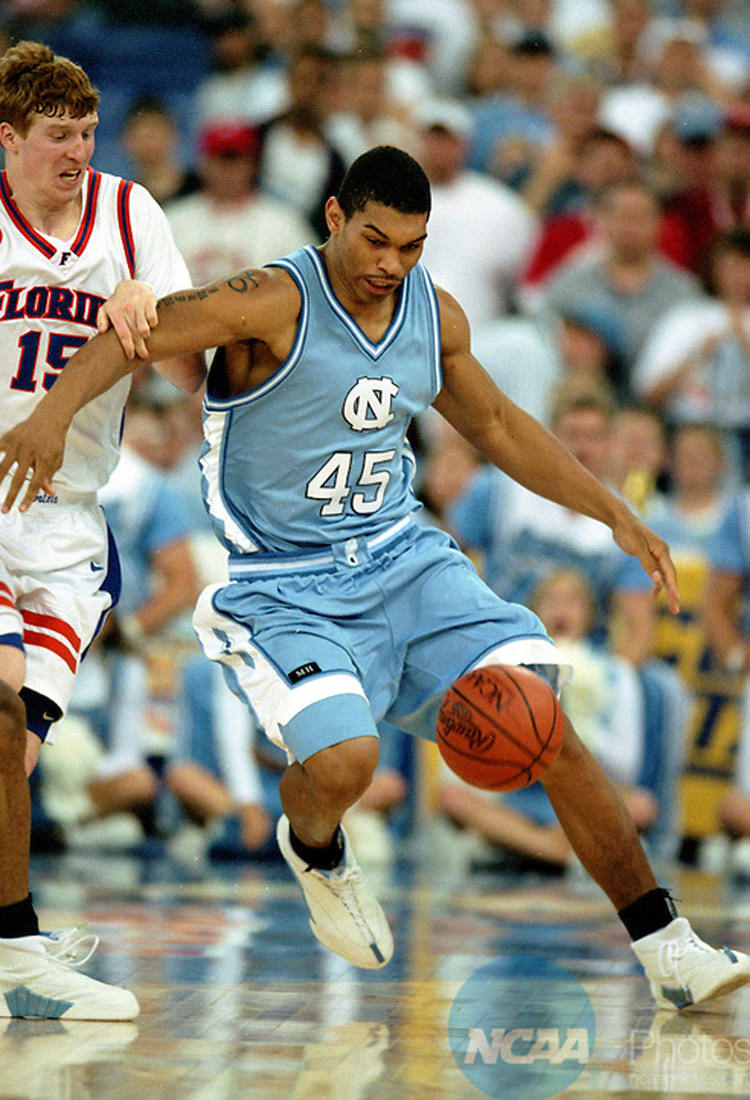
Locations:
(239, 1001)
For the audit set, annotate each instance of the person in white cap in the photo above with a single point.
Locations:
(481, 232)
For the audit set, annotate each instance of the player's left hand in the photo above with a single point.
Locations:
(131, 312)
(634, 537)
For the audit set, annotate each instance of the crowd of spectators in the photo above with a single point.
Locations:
(590, 170)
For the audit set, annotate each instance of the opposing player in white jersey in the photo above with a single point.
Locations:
(339, 610)
(78, 250)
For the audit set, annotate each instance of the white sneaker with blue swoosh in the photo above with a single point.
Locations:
(683, 970)
(344, 916)
(38, 979)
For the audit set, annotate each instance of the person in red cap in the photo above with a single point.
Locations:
(230, 223)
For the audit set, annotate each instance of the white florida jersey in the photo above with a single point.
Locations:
(50, 294)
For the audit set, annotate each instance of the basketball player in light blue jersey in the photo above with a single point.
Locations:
(340, 610)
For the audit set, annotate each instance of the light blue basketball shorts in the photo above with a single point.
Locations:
(324, 645)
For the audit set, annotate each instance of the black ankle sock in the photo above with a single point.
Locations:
(648, 913)
(18, 919)
(324, 859)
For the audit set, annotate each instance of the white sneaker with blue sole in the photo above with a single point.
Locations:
(38, 979)
(344, 916)
(684, 971)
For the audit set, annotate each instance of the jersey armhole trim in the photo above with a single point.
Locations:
(284, 369)
(436, 329)
(124, 192)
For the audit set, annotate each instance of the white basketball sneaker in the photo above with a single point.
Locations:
(344, 916)
(37, 979)
(683, 970)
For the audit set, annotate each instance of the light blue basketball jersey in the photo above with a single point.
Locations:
(317, 454)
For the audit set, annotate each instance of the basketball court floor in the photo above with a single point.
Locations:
(239, 1001)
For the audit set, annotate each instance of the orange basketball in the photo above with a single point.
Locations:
(500, 727)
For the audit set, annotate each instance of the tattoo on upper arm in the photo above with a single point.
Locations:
(243, 282)
(196, 295)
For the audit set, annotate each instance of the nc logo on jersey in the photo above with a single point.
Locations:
(368, 403)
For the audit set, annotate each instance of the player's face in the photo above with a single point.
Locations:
(376, 249)
(53, 156)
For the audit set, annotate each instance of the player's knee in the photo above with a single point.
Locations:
(12, 722)
(343, 772)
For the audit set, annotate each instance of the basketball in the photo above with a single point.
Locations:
(500, 727)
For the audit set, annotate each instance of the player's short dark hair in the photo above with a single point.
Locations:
(388, 176)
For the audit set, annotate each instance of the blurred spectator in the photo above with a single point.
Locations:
(605, 703)
(533, 358)
(448, 467)
(309, 24)
(562, 21)
(522, 356)
(440, 34)
(361, 26)
(639, 456)
(487, 74)
(681, 169)
(724, 65)
(590, 346)
(714, 192)
(611, 52)
(551, 183)
(151, 532)
(274, 29)
(626, 277)
(224, 773)
(696, 363)
(603, 159)
(724, 609)
(734, 808)
(689, 517)
(678, 65)
(150, 138)
(718, 739)
(298, 164)
(244, 86)
(229, 224)
(480, 232)
(521, 537)
(510, 125)
(365, 115)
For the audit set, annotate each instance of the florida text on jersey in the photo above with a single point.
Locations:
(50, 293)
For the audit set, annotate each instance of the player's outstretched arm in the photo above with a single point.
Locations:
(524, 449)
(251, 304)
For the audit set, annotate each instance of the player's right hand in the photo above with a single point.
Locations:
(131, 312)
(37, 456)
